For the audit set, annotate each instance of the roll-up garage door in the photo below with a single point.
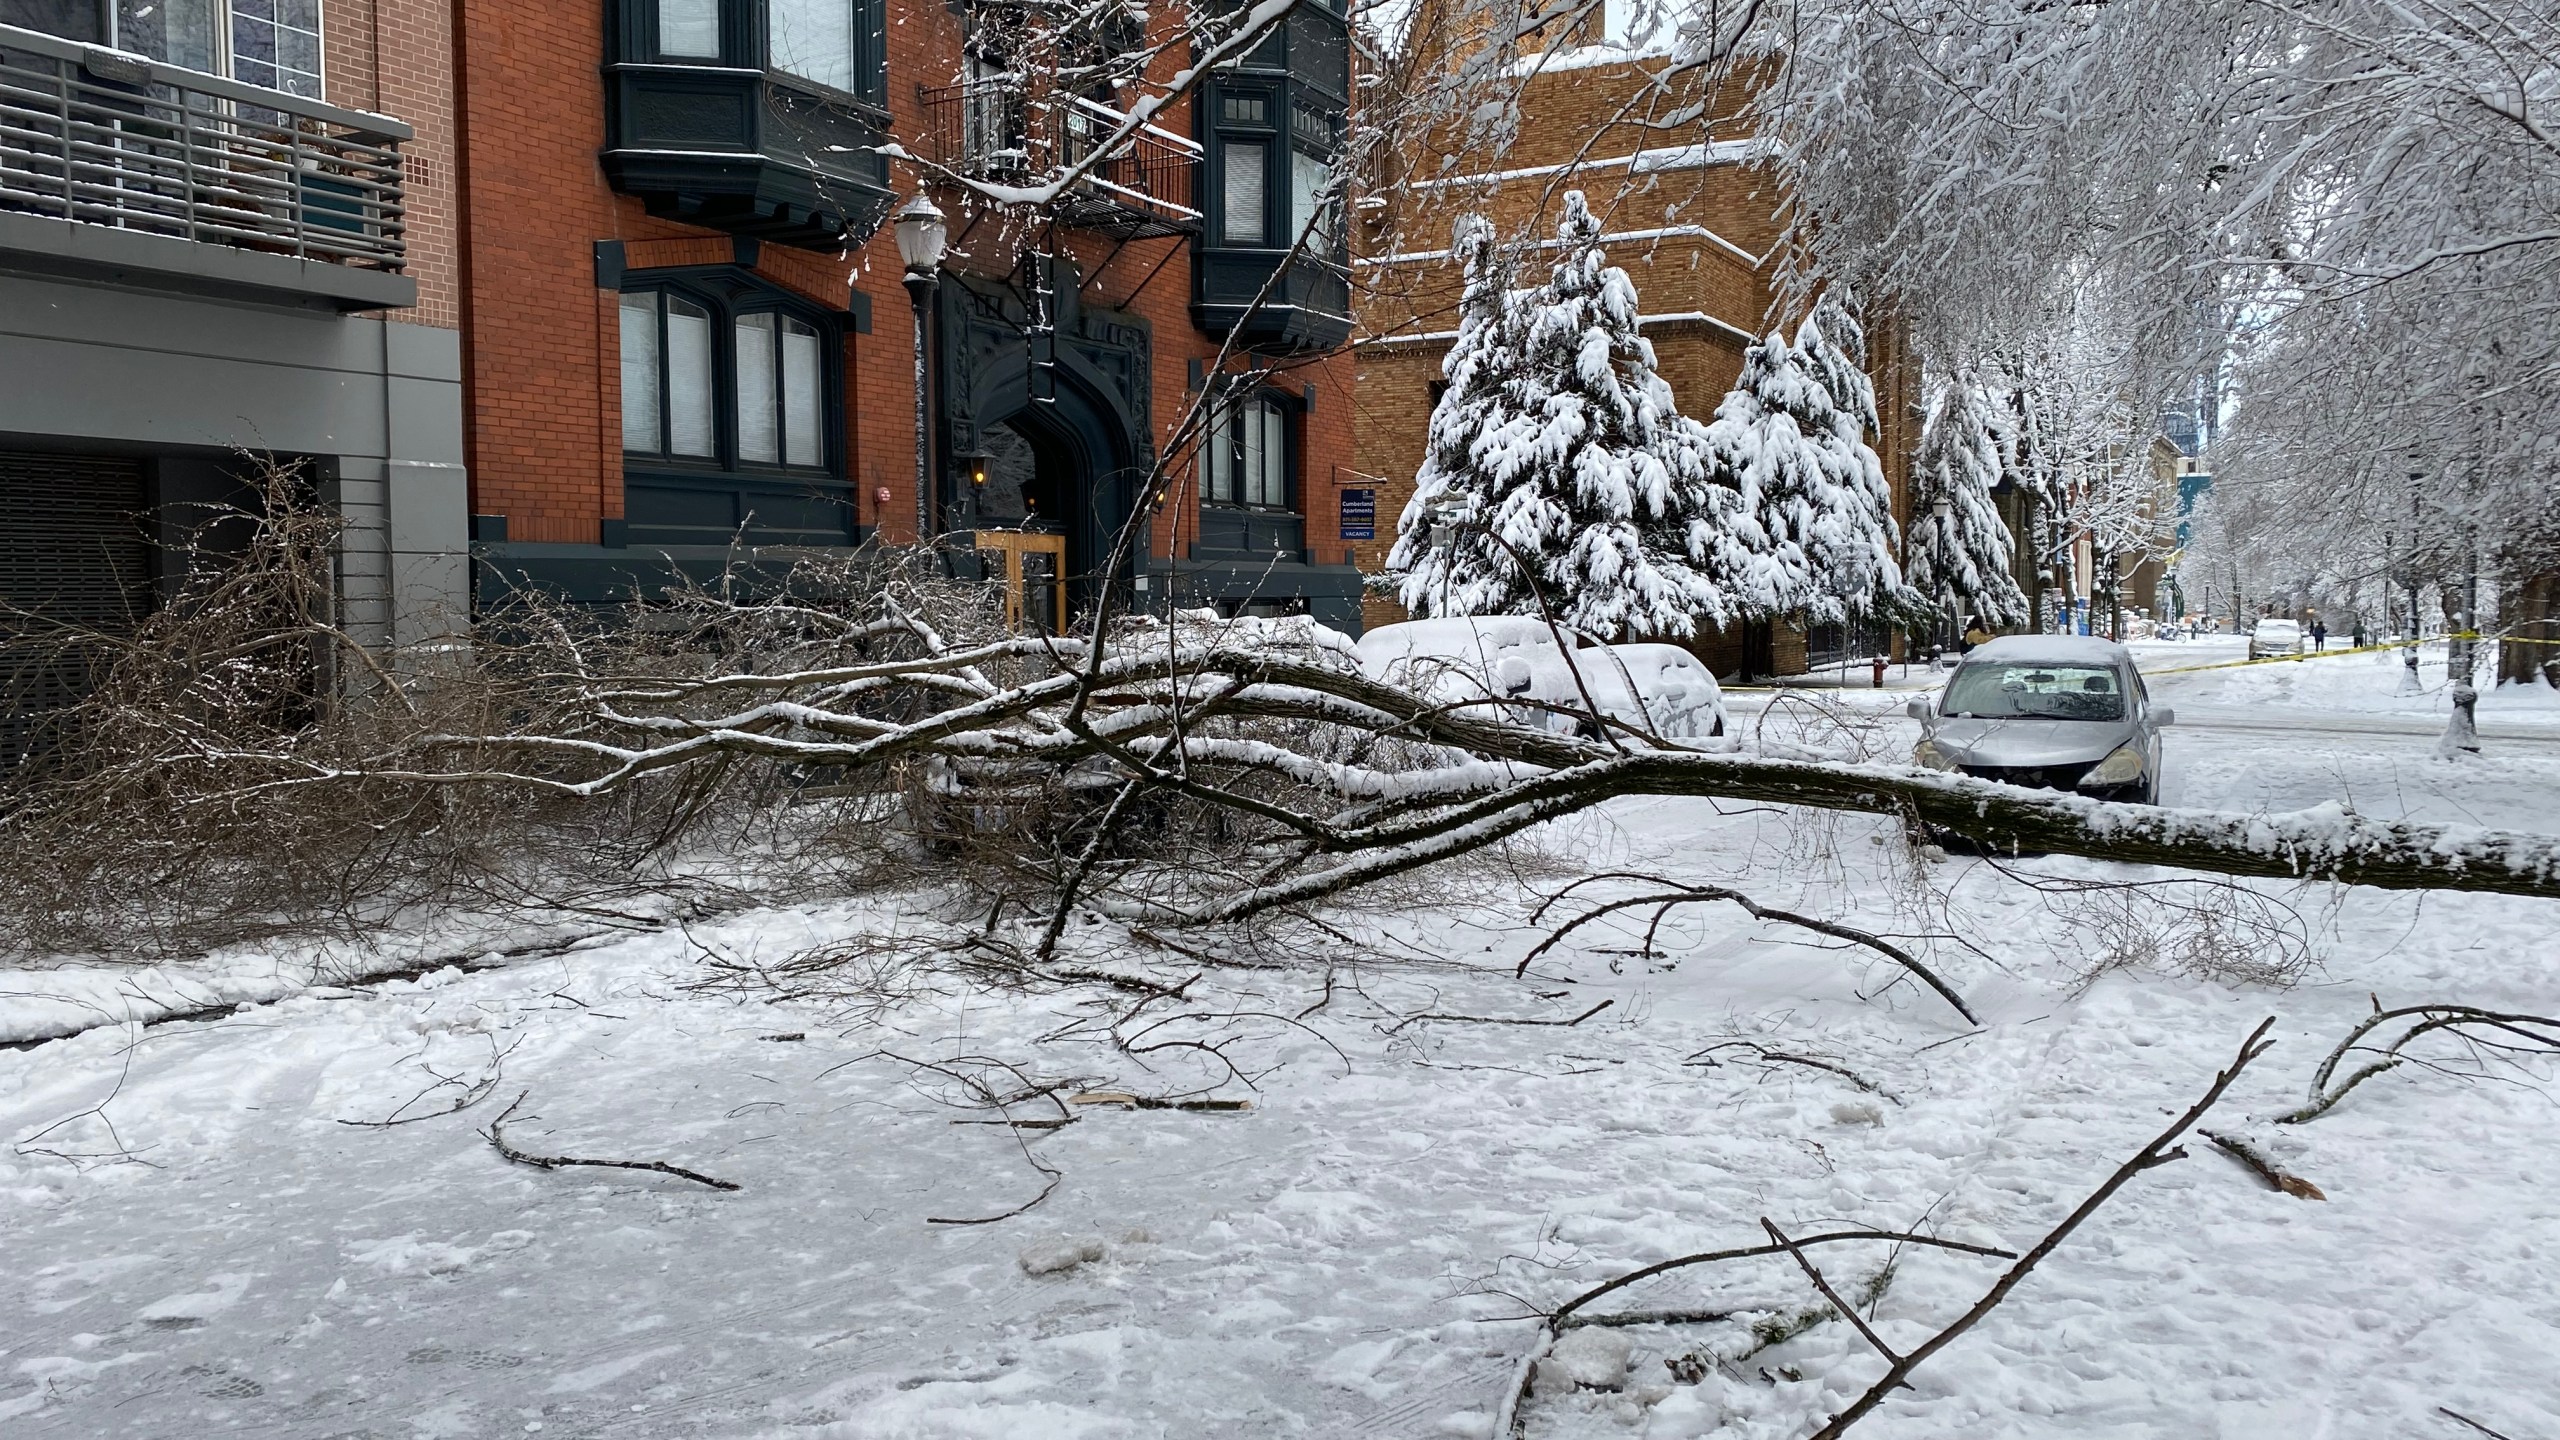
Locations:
(72, 553)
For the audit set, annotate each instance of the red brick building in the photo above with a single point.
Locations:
(686, 327)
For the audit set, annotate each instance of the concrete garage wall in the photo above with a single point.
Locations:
(378, 403)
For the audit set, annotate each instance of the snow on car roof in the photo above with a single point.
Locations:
(2050, 650)
(1460, 635)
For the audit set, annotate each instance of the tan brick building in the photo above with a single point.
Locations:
(1689, 212)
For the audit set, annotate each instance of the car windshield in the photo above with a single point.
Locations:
(1994, 690)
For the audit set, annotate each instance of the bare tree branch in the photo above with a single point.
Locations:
(2160, 1151)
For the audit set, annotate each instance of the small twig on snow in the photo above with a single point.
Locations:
(1152, 1102)
(1501, 1019)
(2452, 1414)
(497, 1136)
(1813, 1062)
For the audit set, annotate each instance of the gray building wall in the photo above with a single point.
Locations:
(378, 403)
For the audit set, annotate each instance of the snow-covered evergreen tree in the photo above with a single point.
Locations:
(1562, 454)
(1960, 561)
(1793, 439)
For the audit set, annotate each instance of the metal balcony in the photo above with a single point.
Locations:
(107, 139)
(998, 130)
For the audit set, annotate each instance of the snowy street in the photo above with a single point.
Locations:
(205, 1238)
(871, 720)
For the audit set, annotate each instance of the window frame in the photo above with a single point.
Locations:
(1265, 136)
(745, 29)
(728, 303)
(1226, 435)
(108, 28)
(1325, 148)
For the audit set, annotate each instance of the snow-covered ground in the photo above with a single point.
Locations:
(196, 1243)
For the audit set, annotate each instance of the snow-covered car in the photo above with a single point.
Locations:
(2272, 638)
(1655, 687)
(2055, 712)
(1516, 665)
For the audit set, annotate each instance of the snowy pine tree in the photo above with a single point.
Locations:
(1792, 437)
(1960, 561)
(1561, 452)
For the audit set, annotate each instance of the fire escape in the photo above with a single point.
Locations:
(1005, 126)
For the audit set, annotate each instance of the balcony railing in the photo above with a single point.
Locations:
(106, 138)
(998, 130)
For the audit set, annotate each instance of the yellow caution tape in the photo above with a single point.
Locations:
(2504, 639)
(2294, 658)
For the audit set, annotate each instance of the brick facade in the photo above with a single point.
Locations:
(542, 337)
(395, 57)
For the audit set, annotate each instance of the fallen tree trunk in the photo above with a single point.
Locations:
(1332, 780)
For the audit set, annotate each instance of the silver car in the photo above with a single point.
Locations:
(2271, 639)
(2057, 712)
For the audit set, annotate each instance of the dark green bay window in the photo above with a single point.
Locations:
(1272, 126)
(761, 117)
(732, 415)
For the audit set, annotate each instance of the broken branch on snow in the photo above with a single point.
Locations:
(2256, 1160)
(1700, 894)
(2491, 1033)
(2162, 1149)
(497, 1136)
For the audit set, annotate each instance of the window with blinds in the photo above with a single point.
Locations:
(762, 399)
(1245, 460)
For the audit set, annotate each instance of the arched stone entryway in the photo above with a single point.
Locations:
(1056, 423)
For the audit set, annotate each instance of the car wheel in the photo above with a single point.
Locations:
(1718, 732)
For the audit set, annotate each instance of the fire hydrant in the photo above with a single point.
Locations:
(1879, 672)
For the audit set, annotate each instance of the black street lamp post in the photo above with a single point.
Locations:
(921, 237)
(1943, 512)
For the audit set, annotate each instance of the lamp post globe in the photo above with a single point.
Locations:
(922, 236)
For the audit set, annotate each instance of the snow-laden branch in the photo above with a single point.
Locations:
(1358, 781)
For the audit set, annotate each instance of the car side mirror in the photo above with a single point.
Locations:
(1513, 674)
(2163, 715)
(1920, 709)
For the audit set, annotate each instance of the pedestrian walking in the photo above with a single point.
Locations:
(2319, 636)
